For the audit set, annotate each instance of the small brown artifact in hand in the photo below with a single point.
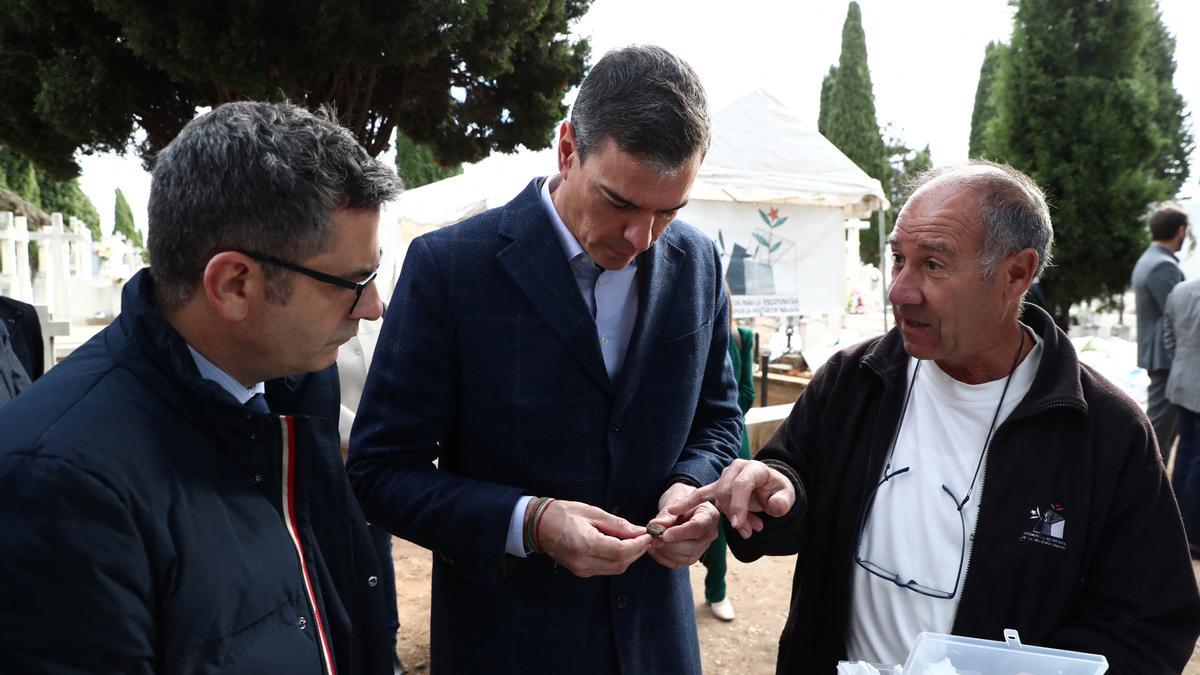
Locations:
(655, 529)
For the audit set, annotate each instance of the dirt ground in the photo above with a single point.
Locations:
(745, 646)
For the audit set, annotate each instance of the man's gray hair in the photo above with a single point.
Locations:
(649, 102)
(1012, 210)
(264, 177)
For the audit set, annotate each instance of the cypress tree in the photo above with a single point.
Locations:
(826, 88)
(1076, 110)
(849, 117)
(9, 163)
(66, 197)
(985, 107)
(123, 221)
(26, 183)
(1169, 113)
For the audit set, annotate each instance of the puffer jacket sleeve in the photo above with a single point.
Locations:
(75, 592)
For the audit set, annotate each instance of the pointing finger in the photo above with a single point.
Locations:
(696, 498)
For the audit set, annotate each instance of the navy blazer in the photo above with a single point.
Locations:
(25, 330)
(489, 362)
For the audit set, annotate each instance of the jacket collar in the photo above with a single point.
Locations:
(14, 309)
(142, 341)
(657, 271)
(536, 263)
(146, 344)
(1164, 250)
(1057, 383)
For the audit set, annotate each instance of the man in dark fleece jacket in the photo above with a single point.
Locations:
(964, 473)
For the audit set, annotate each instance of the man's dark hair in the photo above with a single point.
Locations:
(255, 176)
(1166, 221)
(649, 102)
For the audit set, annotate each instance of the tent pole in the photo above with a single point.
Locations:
(883, 268)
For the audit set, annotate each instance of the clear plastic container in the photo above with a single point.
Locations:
(938, 654)
(864, 668)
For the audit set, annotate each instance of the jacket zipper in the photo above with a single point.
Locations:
(966, 574)
(970, 544)
(288, 484)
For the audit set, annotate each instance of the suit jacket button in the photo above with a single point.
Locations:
(302, 623)
(372, 581)
(622, 601)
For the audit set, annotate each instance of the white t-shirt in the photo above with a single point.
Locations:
(914, 528)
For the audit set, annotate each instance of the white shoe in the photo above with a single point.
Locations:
(723, 610)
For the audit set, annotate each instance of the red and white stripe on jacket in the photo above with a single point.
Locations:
(287, 427)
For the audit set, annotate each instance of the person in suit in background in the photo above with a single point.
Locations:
(25, 334)
(563, 358)
(20, 347)
(1154, 275)
(1181, 338)
(13, 378)
(741, 355)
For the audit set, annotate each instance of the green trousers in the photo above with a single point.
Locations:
(714, 561)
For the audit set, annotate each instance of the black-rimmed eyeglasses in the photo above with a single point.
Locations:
(894, 577)
(357, 286)
(959, 504)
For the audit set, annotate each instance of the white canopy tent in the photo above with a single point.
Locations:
(772, 192)
(481, 186)
(763, 152)
(776, 196)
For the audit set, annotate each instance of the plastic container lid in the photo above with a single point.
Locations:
(939, 654)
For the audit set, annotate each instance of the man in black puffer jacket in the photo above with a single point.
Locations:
(160, 515)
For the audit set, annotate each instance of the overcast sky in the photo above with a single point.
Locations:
(924, 57)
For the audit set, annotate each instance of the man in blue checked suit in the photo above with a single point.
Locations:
(564, 359)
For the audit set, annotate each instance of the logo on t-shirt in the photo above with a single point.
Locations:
(1048, 528)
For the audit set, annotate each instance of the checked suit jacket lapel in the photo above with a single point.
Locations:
(658, 269)
(536, 262)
